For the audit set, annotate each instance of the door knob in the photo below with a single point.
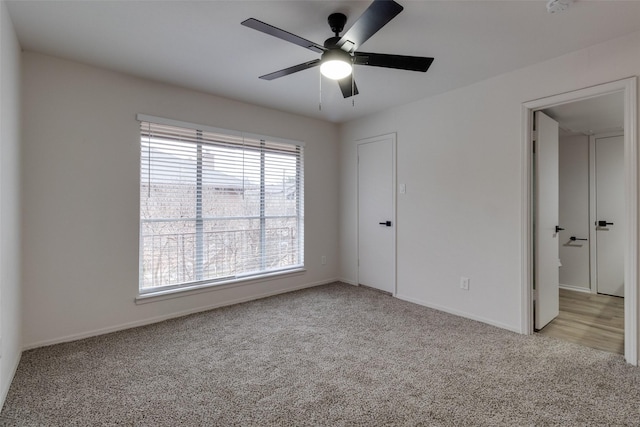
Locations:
(558, 228)
(603, 223)
(387, 223)
(574, 238)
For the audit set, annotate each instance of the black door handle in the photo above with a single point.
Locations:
(574, 238)
(558, 228)
(603, 223)
(387, 223)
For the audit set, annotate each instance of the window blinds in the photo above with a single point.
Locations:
(216, 205)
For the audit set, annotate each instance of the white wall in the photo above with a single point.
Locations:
(10, 294)
(574, 211)
(459, 155)
(81, 196)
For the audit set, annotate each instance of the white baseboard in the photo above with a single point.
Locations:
(575, 288)
(460, 313)
(156, 319)
(348, 282)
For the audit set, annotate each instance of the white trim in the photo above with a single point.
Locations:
(197, 126)
(574, 288)
(526, 232)
(593, 236)
(458, 313)
(348, 282)
(183, 291)
(631, 252)
(156, 319)
(628, 86)
(393, 208)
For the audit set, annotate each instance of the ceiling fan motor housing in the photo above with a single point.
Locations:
(336, 22)
(331, 42)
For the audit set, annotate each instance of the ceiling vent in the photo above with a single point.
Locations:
(555, 6)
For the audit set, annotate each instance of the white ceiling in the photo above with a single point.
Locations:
(591, 116)
(201, 44)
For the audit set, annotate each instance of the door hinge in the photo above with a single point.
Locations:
(533, 143)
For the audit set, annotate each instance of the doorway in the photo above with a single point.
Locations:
(590, 153)
(376, 213)
(627, 89)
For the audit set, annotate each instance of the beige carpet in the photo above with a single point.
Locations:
(333, 355)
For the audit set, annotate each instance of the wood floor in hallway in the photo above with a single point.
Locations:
(592, 320)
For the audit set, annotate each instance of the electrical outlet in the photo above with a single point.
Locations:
(323, 260)
(464, 283)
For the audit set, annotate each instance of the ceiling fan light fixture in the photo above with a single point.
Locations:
(336, 64)
(335, 69)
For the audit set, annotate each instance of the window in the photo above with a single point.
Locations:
(216, 205)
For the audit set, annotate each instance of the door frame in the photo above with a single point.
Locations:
(628, 87)
(369, 140)
(593, 236)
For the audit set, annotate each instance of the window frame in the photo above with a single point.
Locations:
(201, 284)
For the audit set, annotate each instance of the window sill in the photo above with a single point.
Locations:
(162, 295)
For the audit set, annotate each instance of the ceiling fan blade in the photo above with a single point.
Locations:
(346, 86)
(400, 62)
(379, 13)
(282, 34)
(291, 70)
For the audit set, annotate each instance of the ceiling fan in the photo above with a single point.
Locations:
(339, 54)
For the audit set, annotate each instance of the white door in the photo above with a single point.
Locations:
(547, 262)
(376, 220)
(609, 221)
